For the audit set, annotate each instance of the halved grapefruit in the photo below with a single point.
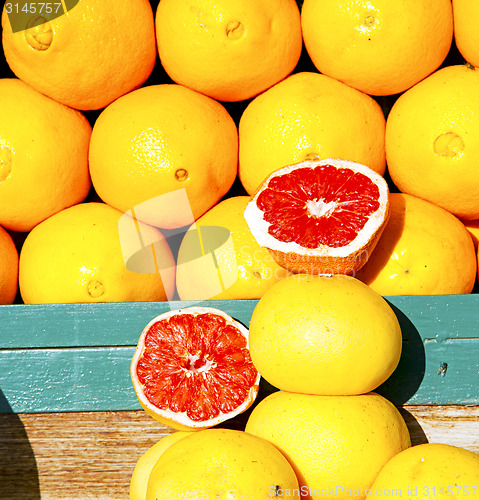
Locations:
(192, 368)
(320, 216)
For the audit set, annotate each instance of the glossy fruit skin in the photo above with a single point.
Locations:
(466, 18)
(253, 266)
(221, 463)
(305, 117)
(228, 50)
(432, 134)
(88, 57)
(332, 442)
(363, 44)
(430, 469)
(157, 141)
(145, 464)
(424, 250)
(8, 268)
(314, 335)
(43, 156)
(75, 256)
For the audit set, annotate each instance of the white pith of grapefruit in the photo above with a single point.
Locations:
(323, 259)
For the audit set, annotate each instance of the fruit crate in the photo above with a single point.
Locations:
(69, 416)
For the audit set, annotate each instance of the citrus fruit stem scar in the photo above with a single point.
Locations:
(181, 174)
(5, 163)
(95, 288)
(448, 144)
(234, 30)
(39, 36)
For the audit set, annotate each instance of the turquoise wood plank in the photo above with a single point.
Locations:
(83, 325)
(57, 380)
(76, 357)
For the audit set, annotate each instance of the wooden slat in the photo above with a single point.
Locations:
(86, 456)
(86, 325)
(54, 380)
(440, 317)
(76, 357)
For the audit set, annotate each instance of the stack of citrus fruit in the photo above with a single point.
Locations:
(163, 110)
(312, 338)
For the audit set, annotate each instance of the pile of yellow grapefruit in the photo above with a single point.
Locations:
(325, 344)
(314, 155)
(164, 111)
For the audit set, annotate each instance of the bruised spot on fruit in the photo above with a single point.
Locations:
(95, 289)
(181, 174)
(38, 33)
(234, 30)
(257, 275)
(448, 144)
(5, 162)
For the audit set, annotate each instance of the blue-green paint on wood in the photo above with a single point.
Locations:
(76, 357)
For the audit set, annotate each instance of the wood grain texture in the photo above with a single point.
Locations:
(91, 455)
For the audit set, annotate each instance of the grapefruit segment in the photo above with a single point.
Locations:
(192, 369)
(320, 216)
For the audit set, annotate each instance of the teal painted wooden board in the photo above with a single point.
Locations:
(76, 357)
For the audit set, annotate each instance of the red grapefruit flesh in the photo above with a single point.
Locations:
(320, 216)
(192, 369)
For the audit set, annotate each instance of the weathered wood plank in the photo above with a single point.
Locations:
(83, 456)
(438, 317)
(76, 357)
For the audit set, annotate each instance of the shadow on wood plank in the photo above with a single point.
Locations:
(401, 386)
(18, 466)
(418, 436)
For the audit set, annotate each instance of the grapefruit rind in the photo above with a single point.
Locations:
(324, 259)
(180, 421)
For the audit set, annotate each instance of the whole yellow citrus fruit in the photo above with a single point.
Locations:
(424, 250)
(247, 269)
(160, 139)
(314, 335)
(466, 36)
(144, 465)
(221, 463)
(308, 116)
(431, 470)
(85, 58)
(226, 49)
(336, 444)
(432, 140)
(8, 268)
(380, 47)
(76, 256)
(43, 156)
